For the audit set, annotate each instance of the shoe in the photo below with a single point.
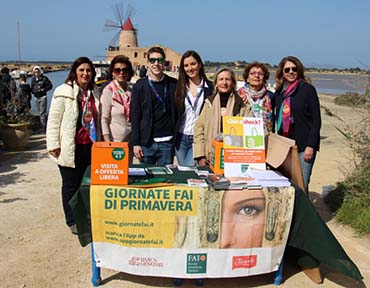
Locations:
(74, 229)
(314, 274)
(178, 282)
(199, 282)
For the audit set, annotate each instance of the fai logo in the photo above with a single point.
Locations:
(196, 263)
(244, 261)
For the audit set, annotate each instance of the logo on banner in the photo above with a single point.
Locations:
(118, 154)
(244, 261)
(196, 263)
(145, 261)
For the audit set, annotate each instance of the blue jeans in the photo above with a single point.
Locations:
(306, 168)
(184, 150)
(159, 153)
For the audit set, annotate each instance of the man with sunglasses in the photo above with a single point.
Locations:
(152, 112)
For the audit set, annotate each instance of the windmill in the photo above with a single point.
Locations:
(126, 36)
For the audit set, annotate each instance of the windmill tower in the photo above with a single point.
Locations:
(126, 35)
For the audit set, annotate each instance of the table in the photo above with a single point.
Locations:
(308, 235)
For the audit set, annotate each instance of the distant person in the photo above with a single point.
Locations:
(258, 100)
(73, 126)
(192, 89)
(298, 112)
(9, 87)
(225, 102)
(142, 71)
(153, 115)
(24, 94)
(40, 85)
(115, 102)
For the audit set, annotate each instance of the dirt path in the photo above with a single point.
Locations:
(38, 250)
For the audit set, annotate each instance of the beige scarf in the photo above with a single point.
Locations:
(215, 125)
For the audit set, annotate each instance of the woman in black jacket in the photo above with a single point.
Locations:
(298, 112)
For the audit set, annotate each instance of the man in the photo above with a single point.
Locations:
(40, 85)
(8, 87)
(152, 112)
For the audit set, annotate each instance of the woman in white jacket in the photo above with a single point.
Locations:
(73, 125)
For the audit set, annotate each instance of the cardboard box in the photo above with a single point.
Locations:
(282, 154)
(109, 163)
(217, 157)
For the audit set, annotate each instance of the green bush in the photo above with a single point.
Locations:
(352, 99)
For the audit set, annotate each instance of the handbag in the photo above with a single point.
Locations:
(254, 140)
(232, 139)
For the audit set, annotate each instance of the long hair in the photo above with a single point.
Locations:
(279, 77)
(124, 60)
(233, 78)
(183, 80)
(72, 76)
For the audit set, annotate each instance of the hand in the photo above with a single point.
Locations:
(202, 161)
(55, 153)
(308, 153)
(106, 137)
(138, 152)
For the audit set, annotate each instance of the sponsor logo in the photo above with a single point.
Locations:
(244, 261)
(145, 261)
(118, 154)
(196, 263)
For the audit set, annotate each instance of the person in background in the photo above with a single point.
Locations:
(40, 85)
(142, 71)
(192, 89)
(9, 87)
(24, 94)
(115, 102)
(153, 117)
(226, 102)
(258, 100)
(298, 112)
(73, 126)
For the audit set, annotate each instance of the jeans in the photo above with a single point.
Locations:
(159, 153)
(71, 178)
(306, 168)
(41, 105)
(184, 150)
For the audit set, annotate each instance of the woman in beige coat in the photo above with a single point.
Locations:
(226, 102)
(72, 127)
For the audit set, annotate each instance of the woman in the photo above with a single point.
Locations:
(192, 89)
(243, 219)
(225, 102)
(72, 128)
(24, 94)
(256, 97)
(298, 112)
(115, 102)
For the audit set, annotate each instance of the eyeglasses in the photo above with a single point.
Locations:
(257, 74)
(119, 70)
(288, 69)
(153, 60)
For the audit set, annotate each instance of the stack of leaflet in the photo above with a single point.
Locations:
(266, 178)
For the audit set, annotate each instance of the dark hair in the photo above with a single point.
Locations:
(5, 70)
(72, 76)
(256, 64)
(23, 77)
(183, 80)
(156, 49)
(124, 60)
(279, 77)
(233, 77)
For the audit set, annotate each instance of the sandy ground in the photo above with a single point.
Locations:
(38, 250)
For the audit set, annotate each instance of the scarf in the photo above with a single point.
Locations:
(87, 119)
(285, 118)
(260, 104)
(122, 97)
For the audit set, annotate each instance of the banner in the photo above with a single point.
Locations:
(190, 232)
(244, 145)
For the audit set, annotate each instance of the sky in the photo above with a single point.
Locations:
(325, 34)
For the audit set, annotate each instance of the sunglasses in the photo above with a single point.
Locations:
(153, 60)
(287, 69)
(119, 70)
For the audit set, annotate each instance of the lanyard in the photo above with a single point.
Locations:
(194, 108)
(159, 98)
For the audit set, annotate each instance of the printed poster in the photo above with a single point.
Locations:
(183, 231)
